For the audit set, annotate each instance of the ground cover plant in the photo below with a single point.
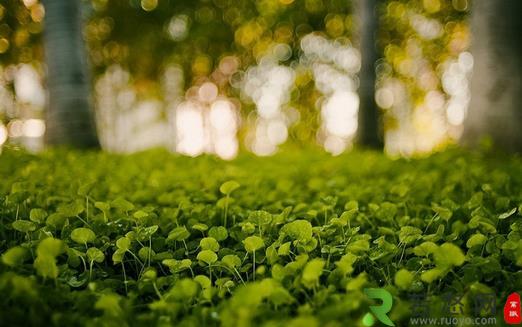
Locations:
(160, 240)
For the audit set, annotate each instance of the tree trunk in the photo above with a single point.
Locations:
(70, 119)
(369, 123)
(496, 89)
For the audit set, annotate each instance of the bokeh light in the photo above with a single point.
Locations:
(268, 85)
(3, 134)
(209, 77)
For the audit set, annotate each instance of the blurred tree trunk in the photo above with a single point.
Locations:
(369, 129)
(496, 90)
(70, 119)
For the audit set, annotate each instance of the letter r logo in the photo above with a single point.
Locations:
(379, 311)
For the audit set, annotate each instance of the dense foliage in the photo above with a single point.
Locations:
(158, 239)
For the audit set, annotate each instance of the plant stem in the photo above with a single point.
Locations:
(186, 248)
(157, 290)
(239, 275)
(254, 266)
(226, 212)
(83, 221)
(124, 278)
(84, 264)
(150, 250)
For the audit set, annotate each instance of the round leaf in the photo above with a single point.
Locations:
(218, 232)
(117, 256)
(123, 243)
(207, 256)
(200, 227)
(185, 264)
(231, 261)
(15, 256)
(209, 243)
(203, 281)
(122, 204)
(475, 240)
(507, 214)
(145, 253)
(50, 247)
(228, 187)
(46, 266)
(178, 234)
(24, 226)
(298, 230)
(403, 279)
(37, 215)
(409, 234)
(448, 255)
(94, 254)
(260, 217)
(312, 272)
(253, 243)
(103, 206)
(83, 235)
(140, 214)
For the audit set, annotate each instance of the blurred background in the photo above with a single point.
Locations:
(224, 76)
